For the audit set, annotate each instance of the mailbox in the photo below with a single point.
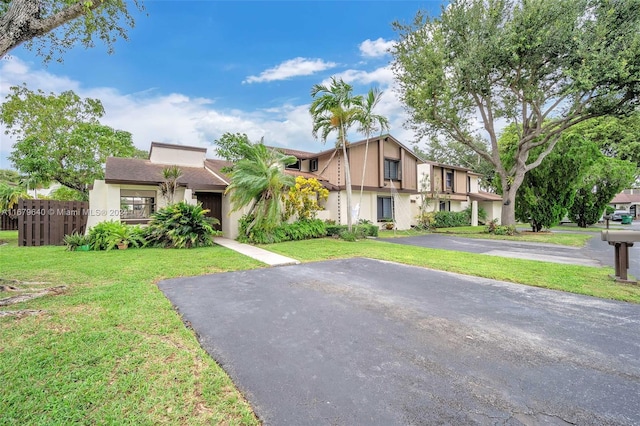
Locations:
(621, 240)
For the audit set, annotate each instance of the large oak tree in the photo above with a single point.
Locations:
(52, 26)
(543, 65)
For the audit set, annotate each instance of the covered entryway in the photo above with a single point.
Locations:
(212, 201)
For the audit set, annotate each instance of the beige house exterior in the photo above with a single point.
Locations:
(130, 191)
(391, 177)
(453, 188)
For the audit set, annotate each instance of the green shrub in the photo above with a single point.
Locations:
(482, 214)
(505, 230)
(303, 229)
(181, 225)
(349, 236)
(493, 228)
(106, 235)
(444, 219)
(361, 231)
(75, 240)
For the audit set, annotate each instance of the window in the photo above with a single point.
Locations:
(137, 204)
(449, 181)
(445, 206)
(468, 183)
(385, 208)
(391, 169)
(294, 166)
(313, 165)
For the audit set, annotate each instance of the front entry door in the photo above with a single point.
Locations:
(212, 201)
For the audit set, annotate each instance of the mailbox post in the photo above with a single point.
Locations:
(621, 240)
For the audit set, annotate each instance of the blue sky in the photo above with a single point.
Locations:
(193, 70)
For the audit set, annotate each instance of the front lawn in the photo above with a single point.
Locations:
(110, 349)
(561, 238)
(571, 278)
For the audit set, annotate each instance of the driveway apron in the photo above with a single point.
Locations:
(361, 341)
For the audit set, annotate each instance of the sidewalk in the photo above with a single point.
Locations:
(264, 256)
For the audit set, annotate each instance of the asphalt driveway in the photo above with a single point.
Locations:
(361, 341)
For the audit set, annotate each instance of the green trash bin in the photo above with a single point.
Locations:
(626, 219)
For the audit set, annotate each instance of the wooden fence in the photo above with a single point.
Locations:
(46, 222)
(8, 223)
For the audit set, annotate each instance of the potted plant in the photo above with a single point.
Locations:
(77, 242)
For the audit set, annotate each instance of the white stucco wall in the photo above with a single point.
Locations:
(493, 209)
(104, 203)
(104, 200)
(178, 157)
(403, 208)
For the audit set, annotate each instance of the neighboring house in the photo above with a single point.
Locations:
(130, 191)
(453, 188)
(628, 200)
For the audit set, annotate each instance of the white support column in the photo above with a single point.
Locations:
(474, 213)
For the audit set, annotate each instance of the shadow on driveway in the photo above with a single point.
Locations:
(361, 341)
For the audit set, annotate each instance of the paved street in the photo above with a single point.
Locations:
(361, 341)
(595, 253)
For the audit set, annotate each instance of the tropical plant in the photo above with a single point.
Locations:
(335, 108)
(303, 198)
(368, 123)
(75, 240)
(107, 235)
(168, 187)
(258, 180)
(181, 225)
(10, 195)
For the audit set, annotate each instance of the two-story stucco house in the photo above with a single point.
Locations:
(384, 186)
(453, 188)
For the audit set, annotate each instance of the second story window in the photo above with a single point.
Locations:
(313, 165)
(294, 166)
(449, 181)
(391, 169)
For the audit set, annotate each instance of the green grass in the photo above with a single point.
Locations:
(571, 278)
(567, 239)
(111, 349)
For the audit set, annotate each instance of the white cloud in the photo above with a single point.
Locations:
(382, 76)
(375, 48)
(291, 68)
(177, 118)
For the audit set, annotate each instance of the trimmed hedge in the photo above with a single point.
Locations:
(360, 231)
(445, 219)
(300, 230)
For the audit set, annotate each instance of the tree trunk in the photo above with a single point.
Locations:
(508, 207)
(347, 178)
(23, 21)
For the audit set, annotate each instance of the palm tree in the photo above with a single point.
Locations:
(368, 122)
(258, 180)
(169, 186)
(335, 108)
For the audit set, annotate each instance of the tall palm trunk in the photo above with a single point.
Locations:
(364, 171)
